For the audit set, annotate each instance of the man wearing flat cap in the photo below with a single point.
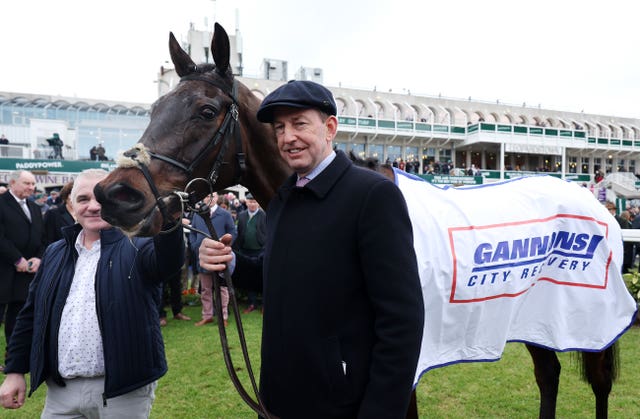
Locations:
(343, 308)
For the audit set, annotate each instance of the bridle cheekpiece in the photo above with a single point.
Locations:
(139, 156)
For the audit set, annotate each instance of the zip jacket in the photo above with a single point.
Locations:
(127, 284)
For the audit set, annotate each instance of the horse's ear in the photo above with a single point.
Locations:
(181, 60)
(220, 49)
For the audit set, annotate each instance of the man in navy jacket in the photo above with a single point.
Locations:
(91, 319)
(222, 223)
(343, 308)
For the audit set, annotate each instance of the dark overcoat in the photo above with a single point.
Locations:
(343, 307)
(55, 219)
(19, 237)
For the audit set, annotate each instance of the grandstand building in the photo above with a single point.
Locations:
(425, 132)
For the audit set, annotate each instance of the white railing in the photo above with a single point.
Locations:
(631, 235)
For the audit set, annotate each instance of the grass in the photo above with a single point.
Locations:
(197, 384)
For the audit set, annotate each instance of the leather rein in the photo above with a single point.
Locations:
(228, 128)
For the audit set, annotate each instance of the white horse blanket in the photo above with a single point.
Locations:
(533, 260)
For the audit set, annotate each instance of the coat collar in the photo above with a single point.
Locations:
(108, 236)
(322, 184)
(12, 201)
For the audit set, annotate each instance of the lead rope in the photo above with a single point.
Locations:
(258, 406)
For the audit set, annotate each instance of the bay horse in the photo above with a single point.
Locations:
(206, 128)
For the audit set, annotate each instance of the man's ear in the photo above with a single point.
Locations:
(332, 127)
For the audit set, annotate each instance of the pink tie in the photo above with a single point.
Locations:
(302, 181)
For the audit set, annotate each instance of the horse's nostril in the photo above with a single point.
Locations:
(125, 196)
(121, 195)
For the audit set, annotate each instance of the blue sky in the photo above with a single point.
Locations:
(564, 55)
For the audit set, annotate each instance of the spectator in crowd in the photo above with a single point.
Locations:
(54, 198)
(189, 270)
(97, 153)
(93, 154)
(4, 150)
(237, 205)
(172, 291)
(90, 326)
(474, 171)
(223, 202)
(635, 223)
(21, 244)
(223, 224)
(624, 219)
(343, 305)
(56, 143)
(100, 153)
(40, 198)
(252, 236)
(59, 216)
(598, 177)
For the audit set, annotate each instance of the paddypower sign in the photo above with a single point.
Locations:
(50, 172)
(72, 166)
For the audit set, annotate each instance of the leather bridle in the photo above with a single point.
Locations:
(229, 128)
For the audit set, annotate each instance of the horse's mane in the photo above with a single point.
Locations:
(371, 163)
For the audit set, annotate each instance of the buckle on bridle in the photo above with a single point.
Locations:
(233, 109)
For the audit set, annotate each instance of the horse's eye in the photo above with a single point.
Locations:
(208, 113)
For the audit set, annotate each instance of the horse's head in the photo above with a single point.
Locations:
(194, 133)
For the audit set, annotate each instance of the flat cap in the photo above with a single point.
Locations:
(298, 94)
(249, 195)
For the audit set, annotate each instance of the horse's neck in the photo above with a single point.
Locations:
(387, 171)
(266, 170)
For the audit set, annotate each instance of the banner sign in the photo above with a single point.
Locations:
(69, 166)
(50, 173)
(43, 180)
(533, 148)
(452, 180)
(532, 260)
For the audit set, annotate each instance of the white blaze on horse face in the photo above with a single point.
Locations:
(304, 140)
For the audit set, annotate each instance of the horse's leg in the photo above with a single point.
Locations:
(412, 413)
(599, 371)
(546, 368)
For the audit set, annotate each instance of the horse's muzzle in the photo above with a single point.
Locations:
(122, 205)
